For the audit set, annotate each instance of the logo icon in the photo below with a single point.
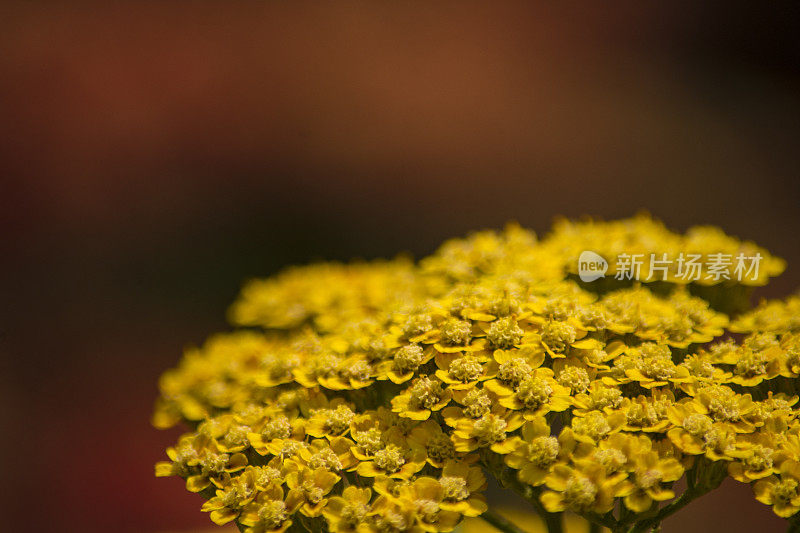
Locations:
(591, 266)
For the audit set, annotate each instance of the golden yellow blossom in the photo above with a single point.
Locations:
(379, 396)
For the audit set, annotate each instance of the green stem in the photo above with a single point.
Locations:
(594, 527)
(554, 522)
(502, 523)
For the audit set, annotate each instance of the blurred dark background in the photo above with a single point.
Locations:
(153, 155)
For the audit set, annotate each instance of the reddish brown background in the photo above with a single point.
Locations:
(154, 154)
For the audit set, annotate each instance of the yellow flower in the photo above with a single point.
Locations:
(724, 405)
(279, 427)
(397, 459)
(310, 487)
(330, 422)
(774, 316)
(616, 453)
(648, 413)
(463, 372)
(491, 430)
(650, 473)
(400, 376)
(538, 451)
(581, 490)
(504, 333)
(438, 446)
(405, 362)
(653, 366)
(351, 373)
(574, 374)
(269, 513)
(232, 497)
(461, 483)
(333, 455)
(557, 336)
(596, 425)
(457, 336)
(690, 428)
(474, 404)
(756, 456)
(424, 496)
(538, 394)
(425, 395)
(348, 512)
(782, 492)
(599, 397)
(208, 464)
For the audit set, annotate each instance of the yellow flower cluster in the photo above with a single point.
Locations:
(377, 396)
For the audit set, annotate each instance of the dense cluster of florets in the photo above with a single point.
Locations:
(377, 396)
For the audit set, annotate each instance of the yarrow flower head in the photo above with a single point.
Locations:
(379, 396)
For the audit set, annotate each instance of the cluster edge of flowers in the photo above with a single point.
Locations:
(378, 396)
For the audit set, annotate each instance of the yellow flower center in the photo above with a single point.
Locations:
(505, 333)
(656, 362)
(719, 440)
(477, 403)
(455, 488)
(417, 325)
(558, 335)
(785, 491)
(338, 420)
(611, 459)
(760, 459)
(648, 478)
(266, 475)
(465, 369)
(534, 391)
(750, 364)
(593, 425)
(697, 424)
(358, 371)
(543, 451)
(646, 413)
(390, 521)
(723, 404)
(580, 493)
(272, 513)
(290, 448)
(425, 393)
(313, 493)
(761, 341)
(213, 463)
(390, 459)
(440, 447)
(277, 428)
(354, 513)
(456, 332)
(603, 396)
(574, 377)
(489, 429)
(370, 440)
(408, 358)
(514, 371)
(327, 459)
(236, 436)
(427, 510)
(698, 367)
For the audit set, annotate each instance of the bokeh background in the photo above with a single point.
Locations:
(153, 155)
